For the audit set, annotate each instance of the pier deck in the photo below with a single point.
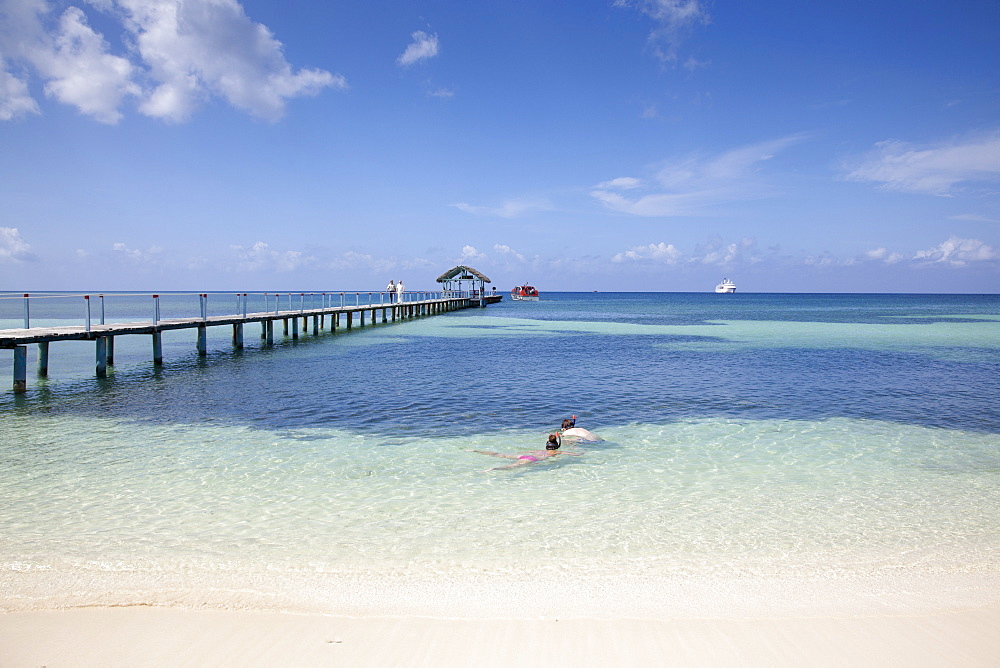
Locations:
(103, 334)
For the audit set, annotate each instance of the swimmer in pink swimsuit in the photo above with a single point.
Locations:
(551, 450)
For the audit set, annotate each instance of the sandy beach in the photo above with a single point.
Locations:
(146, 636)
(911, 620)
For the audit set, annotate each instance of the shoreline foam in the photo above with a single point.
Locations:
(528, 594)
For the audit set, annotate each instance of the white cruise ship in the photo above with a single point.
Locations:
(726, 286)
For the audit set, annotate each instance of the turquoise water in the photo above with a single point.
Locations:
(768, 436)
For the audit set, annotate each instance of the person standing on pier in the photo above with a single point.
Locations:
(399, 291)
(391, 289)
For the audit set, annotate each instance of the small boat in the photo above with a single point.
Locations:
(524, 293)
(725, 287)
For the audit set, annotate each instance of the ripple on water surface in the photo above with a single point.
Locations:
(687, 497)
(763, 435)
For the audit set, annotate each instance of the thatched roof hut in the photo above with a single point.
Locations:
(453, 278)
(462, 272)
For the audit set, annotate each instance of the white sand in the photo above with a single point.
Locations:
(493, 620)
(145, 636)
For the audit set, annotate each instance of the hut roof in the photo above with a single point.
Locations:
(460, 269)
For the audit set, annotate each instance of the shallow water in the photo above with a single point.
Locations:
(762, 435)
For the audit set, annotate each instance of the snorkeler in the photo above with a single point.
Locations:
(578, 434)
(551, 450)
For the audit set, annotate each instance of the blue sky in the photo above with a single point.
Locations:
(594, 145)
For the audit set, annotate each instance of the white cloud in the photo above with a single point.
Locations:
(470, 253)
(356, 261)
(119, 247)
(182, 51)
(884, 255)
(196, 48)
(673, 19)
(935, 169)
(654, 205)
(621, 183)
(259, 256)
(506, 251)
(423, 47)
(715, 252)
(728, 254)
(135, 254)
(13, 247)
(661, 252)
(955, 252)
(692, 64)
(81, 72)
(733, 164)
(689, 185)
(15, 101)
(958, 253)
(509, 209)
(417, 263)
(70, 57)
(822, 260)
(975, 218)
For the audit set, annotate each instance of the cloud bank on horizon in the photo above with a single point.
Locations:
(645, 143)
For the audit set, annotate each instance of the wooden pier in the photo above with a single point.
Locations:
(343, 316)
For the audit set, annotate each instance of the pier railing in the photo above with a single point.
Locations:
(100, 317)
(99, 308)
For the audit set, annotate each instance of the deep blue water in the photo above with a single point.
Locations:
(450, 374)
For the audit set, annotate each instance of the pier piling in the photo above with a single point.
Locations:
(21, 368)
(102, 356)
(43, 359)
(408, 306)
